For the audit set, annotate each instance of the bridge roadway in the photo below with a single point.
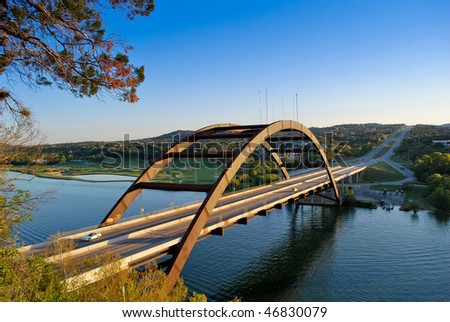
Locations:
(151, 236)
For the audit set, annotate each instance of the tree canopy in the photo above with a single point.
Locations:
(64, 44)
(429, 164)
(434, 169)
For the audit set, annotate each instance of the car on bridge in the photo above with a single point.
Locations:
(92, 236)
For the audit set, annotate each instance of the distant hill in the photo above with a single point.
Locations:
(180, 133)
(352, 140)
(447, 125)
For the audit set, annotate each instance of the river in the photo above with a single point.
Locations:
(297, 253)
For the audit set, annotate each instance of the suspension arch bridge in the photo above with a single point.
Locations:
(170, 236)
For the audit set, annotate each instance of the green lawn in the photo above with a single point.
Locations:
(406, 163)
(382, 172)
(383, 151)
(190, 174)
(69, 170)
(181, 173)
(418, 194)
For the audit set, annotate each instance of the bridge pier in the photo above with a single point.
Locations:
(263, 212)
(243, 221)
(218, 231)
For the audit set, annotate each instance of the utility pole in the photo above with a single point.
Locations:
(296, 104)
(267, 110)
(259, 106)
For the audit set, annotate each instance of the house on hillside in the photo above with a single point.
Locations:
(445, 143)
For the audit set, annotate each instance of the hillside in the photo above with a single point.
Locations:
(350, 140)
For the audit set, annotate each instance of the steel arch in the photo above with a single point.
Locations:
(132, 192)
(257, 135)
(136, 187)
(190, 237)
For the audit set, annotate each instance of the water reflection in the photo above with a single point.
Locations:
(76, 204)
(304, 253)
(298, 253)
(441, 217)
(290, 259)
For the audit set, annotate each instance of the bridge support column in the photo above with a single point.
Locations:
(243, 221)
(218, 231)
(262, 213)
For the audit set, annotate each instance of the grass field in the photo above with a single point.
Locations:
(180, 173)
(406, 163)
(188, 174)
(382, 172)
(383, 151)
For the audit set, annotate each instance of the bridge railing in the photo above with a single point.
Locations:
(124, 219)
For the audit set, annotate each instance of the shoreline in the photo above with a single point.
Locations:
(362, 196)
(76, 177)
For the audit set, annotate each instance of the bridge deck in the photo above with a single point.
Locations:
(151, 237)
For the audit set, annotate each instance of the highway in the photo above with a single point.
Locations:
(395, 140)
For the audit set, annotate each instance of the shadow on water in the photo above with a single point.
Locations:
(287, 262)
(442, 217)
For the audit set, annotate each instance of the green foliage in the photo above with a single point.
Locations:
(13, 212)
(32, 279)
(271, 177)
(440, 198)
(62, 44)
(410, 205)
(348, 140)
(65, 44)
(348, 197)
(437, 180)
(420, 142)
(354, 140)
(131, 286)
(27, 279)
(434, 169)
(195, 297)
(429, 164)
(255, 173)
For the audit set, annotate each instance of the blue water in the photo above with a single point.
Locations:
(298, 253)
(71, 204)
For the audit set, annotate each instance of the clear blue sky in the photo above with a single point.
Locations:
(206, 61)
